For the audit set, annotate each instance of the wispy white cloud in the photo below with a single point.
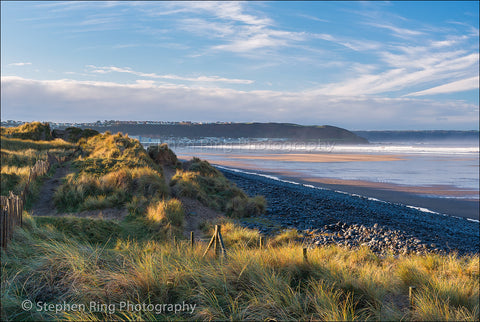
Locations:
(202, 27)
(238, 31)
(20, 64)
(98, 21)
(397, 31)
(310, 17)
(354, 44)
(234, 11)
(402, 66)
(63, 99)
(109, 69)
(457, 86)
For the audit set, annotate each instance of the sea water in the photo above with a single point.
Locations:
(453, 165)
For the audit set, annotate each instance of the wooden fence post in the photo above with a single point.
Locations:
(22, 203)
(192, 239)
(10, 216)
(209, 245)
(220, 238)
(305, 258)
(217, 242)
(411, 295)
(3, 227)
(216, 245)
(261, 242)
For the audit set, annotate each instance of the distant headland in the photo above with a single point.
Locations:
(222, 129)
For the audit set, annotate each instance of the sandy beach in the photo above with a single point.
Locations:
(439, 198)
(304, 157)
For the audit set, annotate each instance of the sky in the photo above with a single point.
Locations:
(395, 65)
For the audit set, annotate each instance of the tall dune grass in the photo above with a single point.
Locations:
(251, 284)
(166, 212)
(203, 182)
(29, 131)
(113, 170)
(16, 144)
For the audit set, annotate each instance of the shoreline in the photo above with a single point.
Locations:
(404, 195)
(329, 216)
(463, 208)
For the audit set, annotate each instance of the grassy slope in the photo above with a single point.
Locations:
(17, 158)
(55, 259)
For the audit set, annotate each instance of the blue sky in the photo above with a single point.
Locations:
(359, 65)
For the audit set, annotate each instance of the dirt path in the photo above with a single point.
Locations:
(45, 206)
(195, 212)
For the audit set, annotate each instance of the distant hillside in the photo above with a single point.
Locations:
(238, 130)
(419, 136)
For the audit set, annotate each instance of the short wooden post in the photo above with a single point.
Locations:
(216, 245)
(209, 245)
(261, 242)
(22, 203)
(10, 216)
(17, 210)
(174, 240)
(192, 239)
(411, 293)
(220, 238)
(305, 258)
(2, 227)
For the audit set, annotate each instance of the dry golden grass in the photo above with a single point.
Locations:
(166, 212)
(203, 182)
(250, 284)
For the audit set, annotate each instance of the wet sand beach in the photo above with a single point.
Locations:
(443, 199)
(307, 157)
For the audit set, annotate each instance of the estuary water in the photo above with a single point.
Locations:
(443, 169)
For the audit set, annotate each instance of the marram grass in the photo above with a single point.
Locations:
(250, 284)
